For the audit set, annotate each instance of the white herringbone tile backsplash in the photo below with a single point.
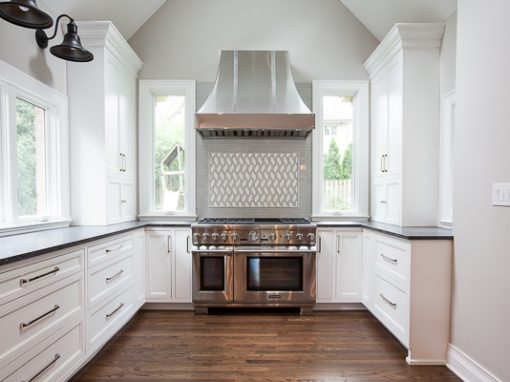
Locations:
(253, 179)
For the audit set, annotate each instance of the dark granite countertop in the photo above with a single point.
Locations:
(22, 246)
(408, 233)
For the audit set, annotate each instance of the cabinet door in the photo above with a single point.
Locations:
(326, 266)
(128, 201)
(393, 202)
(158, 274)
(112, 139)
(113, 201)
(392, 162)
(348, 267)
(127, 125)
(367, 274)
(139, 268)
(379, 202)
(379, 128)
(182, 268)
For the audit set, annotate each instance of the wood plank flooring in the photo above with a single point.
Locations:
(256, 346)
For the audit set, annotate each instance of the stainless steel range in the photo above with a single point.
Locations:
(252, 262)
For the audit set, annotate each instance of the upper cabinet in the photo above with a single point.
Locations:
(102, 105)
(404, 81)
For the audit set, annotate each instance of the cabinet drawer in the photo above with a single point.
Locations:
(54, 363)
(104, 323)
(392, 261)
(36, 316)
(108, 250)
(20, 281)
(103, 281)
(391, 306)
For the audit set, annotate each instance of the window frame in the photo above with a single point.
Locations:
(147, 90)
(360, 147)
(15, 84)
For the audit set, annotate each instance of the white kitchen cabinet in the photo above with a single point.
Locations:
(168, 265)
(102, 114)
(406, 285)
(404, 81)
(339, 265)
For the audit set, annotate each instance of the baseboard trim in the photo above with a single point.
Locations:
(467, 368)
(425, 362)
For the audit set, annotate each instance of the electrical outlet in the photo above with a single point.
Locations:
(501, 194)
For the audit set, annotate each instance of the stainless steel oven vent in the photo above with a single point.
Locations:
(254, 96)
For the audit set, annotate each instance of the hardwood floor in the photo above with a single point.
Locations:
(275, 346)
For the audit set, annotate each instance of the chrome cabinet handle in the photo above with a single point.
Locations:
(125, 162)
(385, 156)
(392, 304)
(187, 244)
(108, 279)
(319, 244)
(169, 244)
(383, 202)
(338, 245)
(123, 201)
(25, 325)
(22, 282)
(389, 259)
(56, 357)
(108, 315)
(382, 163)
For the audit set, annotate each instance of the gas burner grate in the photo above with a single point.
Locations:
(226, 221)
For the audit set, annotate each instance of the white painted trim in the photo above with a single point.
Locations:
(403, 35)
(105, 34)
(15, 83)
(425, 362)
(360, 159)
(33, 227)
(446, 140)
(147, 89)
(467, 368)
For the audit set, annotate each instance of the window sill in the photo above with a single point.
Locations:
(14, 229)
(339, 218)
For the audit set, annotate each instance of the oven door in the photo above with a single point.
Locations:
(274, 276)
(212, 276)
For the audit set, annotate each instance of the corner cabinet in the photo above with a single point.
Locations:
(407, 285)
(102, 116)
(404, 85)
(339, 264)
(168, 265)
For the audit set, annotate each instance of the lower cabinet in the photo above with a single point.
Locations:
(407, 286)
(168, 265)
(339, 266)
(121, 200)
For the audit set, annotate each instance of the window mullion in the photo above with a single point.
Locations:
(11, 162)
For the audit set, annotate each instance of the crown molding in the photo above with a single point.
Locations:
(104, 34)
(405, 36)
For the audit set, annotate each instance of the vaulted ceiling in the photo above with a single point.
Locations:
(380, 15)
(127, 15)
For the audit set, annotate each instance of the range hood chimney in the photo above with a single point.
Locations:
(255, 96)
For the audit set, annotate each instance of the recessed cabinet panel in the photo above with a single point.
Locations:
(182, 267)
(113, 198)
(159, 265)
(348, 280)
(393, 198)
(112, 116)
(326, 266)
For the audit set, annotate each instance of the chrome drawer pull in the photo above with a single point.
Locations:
(108, 315)
(25, 325)
(392, 304)
(108, 279)
(25, 281)
(389, 259)
(52, 362)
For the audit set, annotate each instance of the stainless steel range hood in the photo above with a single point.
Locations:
(255, 96)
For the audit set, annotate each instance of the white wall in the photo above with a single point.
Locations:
(447, 59)
(19, 49)
(183, 39)
(481, 306)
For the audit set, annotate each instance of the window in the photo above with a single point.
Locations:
(340, 149)
(447, 128)
(34, 154)
(167, 141)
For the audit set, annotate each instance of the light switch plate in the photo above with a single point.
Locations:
(501, 194)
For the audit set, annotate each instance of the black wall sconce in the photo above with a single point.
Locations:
(25, 13)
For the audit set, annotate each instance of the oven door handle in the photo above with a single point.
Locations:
(212, 252)
(272, 250)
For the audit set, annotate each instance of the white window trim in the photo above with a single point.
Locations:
(15, 83)
(359, 89)
(446, 136)
(147, 90)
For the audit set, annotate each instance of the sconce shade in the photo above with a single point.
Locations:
(25, 13)
(70, 49)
